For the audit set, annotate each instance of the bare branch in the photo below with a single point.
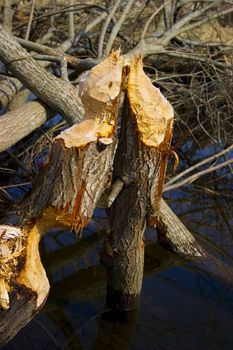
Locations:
(105, 27)
(157, 11)
(196, 176)
(21, 122)
(117, 27)
(56, 93)
(199, 164)
(30, 20)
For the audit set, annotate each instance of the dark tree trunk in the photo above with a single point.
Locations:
(140, 164)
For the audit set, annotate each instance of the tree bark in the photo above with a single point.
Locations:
(21, 122)
(173, 234)
(56, 93)
(9, 87)
(140, 164)
(66, 191)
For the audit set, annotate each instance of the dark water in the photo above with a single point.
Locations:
(181, 307)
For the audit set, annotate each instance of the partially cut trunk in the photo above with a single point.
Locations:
(140, 164)
(65, 193)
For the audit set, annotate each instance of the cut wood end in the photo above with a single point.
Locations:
(85, 132)
(33, 275)
(99, 87)
(154, 114)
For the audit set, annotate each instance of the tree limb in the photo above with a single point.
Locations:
(56, 93)
(21, 122)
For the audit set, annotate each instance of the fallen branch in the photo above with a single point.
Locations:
(21, 122)
(56, 93)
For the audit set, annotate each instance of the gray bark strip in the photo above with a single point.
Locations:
(21, 122)
(56, 93)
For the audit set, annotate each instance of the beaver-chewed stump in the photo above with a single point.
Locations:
(65, 193)
(85, 160)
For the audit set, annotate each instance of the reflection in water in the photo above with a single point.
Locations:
(182, 306)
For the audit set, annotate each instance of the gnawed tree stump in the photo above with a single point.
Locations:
(66, 191)
(140, 165)
(77, 172)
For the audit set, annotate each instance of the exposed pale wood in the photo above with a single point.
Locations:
(72, 181)
(21, 122)
(153, 112)
(65, 193)
(102, 84)
(79, 166)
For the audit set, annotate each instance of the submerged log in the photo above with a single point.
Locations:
(140, 165)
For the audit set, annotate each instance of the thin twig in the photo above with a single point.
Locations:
(205, 20)
(16, 185)
(30, 20)
(204, 161)
(157, 11)
(204, 59)
(116, 188)
(178, 27)
(196, 176)
(71, 21)
(105, 27)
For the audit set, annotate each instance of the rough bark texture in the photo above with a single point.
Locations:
(21, 122)
(128, 217)
(72, 181)
(9, 87)
(56, 93)
(174, 235)
(65, 193)
(140, 165)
